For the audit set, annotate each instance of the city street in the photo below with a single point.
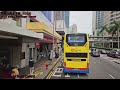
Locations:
(100, 68)
(36, 44)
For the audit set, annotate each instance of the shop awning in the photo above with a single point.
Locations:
(42, 27)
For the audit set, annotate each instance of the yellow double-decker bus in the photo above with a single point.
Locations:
(76, 53)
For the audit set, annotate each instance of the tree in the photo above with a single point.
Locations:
(104, 28)
(115, 28)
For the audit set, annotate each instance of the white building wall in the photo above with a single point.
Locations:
(94, 23)
(24, 23)
(52, 16)
(9, 21)
(73, 29)
(60, 25)
(25, 48)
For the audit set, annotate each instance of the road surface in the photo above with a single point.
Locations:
(100, 68)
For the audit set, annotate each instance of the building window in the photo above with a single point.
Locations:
(30, 53)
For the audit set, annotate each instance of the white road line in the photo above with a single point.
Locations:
(67, 75)
(111, 76)
(78, 75)
(56, 75)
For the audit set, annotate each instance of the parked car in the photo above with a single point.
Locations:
(114, 54)
(93, 49)
(118, 55)
(109, 53)
(95, 54)
(103, 52)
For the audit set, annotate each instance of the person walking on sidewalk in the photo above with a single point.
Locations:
(51, 56)
(31, 65)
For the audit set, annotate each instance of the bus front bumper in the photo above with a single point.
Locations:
(76, 71)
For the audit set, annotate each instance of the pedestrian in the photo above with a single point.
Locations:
(51, 54)
(31, 65)
(54, 55)
(15, 73)
(42, 55)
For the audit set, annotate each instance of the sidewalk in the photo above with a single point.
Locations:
(41, 72)
(26, 70)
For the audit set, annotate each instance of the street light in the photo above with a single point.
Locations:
(53, 35)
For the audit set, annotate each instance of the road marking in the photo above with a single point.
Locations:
(49, 74)
(59, 70)
(52, 72)
(78, 75)
(60, 64)
(48, 77)
(39, 73)
(36, 69)
(67, 75)
(36, 74)
(56, 66)
(111, 76)
(56, 75)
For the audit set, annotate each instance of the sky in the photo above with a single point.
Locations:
(83, 20)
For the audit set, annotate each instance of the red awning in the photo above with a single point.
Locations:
(47, 40)
(37, 45)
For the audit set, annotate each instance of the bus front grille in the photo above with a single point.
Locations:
(78, 55)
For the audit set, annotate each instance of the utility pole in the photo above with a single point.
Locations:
(54, 16)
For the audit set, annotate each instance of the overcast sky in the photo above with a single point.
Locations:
(83, 19)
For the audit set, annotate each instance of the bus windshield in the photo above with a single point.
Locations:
(76, 40)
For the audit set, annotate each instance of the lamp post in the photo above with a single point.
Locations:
(53, 35)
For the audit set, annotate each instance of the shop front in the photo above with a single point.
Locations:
(44, 46)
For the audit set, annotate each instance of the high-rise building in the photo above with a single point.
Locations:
(109, 17)
(62, 20)
(97, 22)
(59, 15)
(66, 18)
(106, 18)
(73, 29)
(47, 14)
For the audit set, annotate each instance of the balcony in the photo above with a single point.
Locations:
(42, 27)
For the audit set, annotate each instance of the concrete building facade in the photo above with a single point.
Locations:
(17, 42)
(97, 22)
(73, 29)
